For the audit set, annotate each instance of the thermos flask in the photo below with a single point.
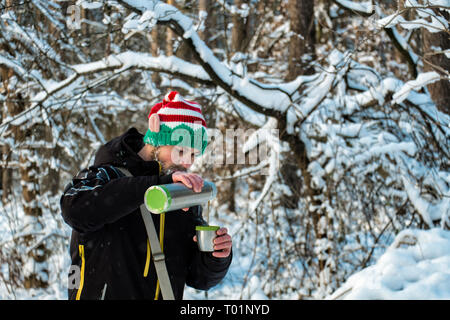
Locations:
(174, 196)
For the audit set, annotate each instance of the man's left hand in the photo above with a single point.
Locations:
(222, 243)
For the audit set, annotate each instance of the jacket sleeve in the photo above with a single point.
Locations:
(205, 270)
(101, 195)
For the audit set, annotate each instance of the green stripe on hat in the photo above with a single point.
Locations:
(181, 135)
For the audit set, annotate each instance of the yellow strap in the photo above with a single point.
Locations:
(81, 251)
(147, 261)
(162, 218)
(162, 221)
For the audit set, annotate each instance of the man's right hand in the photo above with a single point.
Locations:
(190, 180)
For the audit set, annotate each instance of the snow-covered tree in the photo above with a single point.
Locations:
(357, 149)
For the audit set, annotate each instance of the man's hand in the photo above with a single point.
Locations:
(190, 180)
(222, 243)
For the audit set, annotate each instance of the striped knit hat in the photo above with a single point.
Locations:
(176, 121)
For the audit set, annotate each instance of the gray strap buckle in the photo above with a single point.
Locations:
(158, 256)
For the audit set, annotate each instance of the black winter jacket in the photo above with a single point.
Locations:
(109, 246)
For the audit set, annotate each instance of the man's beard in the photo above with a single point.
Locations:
(166, 168)
(171, 168)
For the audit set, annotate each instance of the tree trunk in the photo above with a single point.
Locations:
(29, 178)
(239, 33)
(440, 90)
(6, 150)
(6, 172)
(205, 33)
(302, 44)
(154, 49)
(169, 35)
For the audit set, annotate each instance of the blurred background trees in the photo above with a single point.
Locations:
(363, 120)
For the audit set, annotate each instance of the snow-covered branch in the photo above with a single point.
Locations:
(422, 80)
(117, 63)
(429, 19)
(143, 61)
(364, 9)
(248, 91)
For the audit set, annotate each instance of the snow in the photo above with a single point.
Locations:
(400, 89)
(366, 7)
(317, 93)
(422, 80)
(390, 21)
(429, 212)
(442, 3)
(428, 20)
(120, 62)
(251, 89)
(91, 4)
(405, 45)
(415, 266)
(447, 53)
(243, 11)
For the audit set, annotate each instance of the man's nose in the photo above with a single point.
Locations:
(186, 165)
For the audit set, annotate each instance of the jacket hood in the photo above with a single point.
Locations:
(122, 151)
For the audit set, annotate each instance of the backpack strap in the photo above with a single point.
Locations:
(157, 254)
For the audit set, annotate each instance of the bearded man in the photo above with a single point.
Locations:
(109, 243)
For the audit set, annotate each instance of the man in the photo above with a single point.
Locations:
(109, 243)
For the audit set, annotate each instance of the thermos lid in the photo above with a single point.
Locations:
(207, 228)
(157, 199)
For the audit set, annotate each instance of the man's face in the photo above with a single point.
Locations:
(176, 158)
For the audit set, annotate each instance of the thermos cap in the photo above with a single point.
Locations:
(160, 199)
(207, 228)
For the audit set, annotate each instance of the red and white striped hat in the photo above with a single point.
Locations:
(176, 121)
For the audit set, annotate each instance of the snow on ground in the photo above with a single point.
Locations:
(415, 266)
(239, 283)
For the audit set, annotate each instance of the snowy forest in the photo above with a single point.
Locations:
(347, 102)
